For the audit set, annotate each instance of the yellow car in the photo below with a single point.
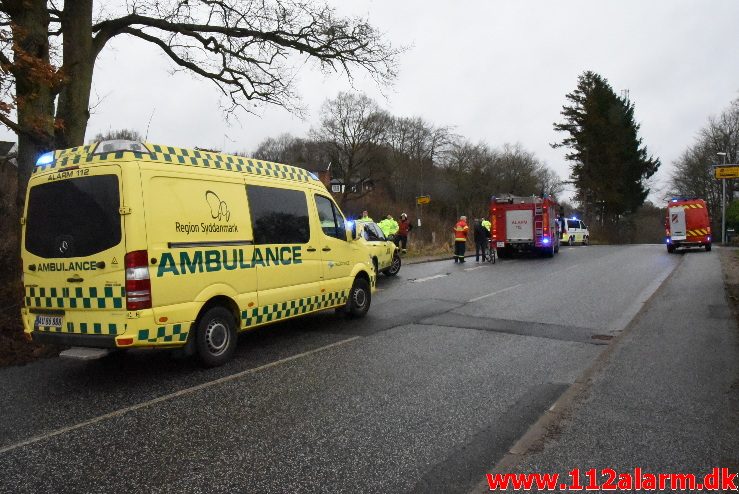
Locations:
(384, 252)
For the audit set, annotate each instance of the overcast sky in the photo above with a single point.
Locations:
(497, 71)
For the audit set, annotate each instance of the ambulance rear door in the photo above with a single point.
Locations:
(74, 248)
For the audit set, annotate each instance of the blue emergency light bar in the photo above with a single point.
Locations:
(45, 159)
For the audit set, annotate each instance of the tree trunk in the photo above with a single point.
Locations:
(73, 111)
(33, 86)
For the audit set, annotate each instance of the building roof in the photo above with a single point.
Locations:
(5, 148)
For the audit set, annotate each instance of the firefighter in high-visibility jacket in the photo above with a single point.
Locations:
(460, 239)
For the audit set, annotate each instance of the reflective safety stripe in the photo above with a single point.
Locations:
(172, 333)
(275, 312)
(103, 297)
(82, 328)
(177, 156)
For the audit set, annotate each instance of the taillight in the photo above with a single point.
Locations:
(138, 284)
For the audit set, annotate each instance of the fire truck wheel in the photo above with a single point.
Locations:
(670, 249)
(216, 336)
(708, 247)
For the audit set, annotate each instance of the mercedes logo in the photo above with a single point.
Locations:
(63, 247)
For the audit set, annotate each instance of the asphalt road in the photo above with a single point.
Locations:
(451, 366)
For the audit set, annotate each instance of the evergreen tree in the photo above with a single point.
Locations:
(610, 166)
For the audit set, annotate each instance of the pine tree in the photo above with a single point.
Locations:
(610, 166)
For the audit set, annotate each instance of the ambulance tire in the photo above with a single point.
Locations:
(215, 338)
(708, 247)
(394, 268)
(360, 297)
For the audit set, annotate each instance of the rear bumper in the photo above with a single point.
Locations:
(141, 331)
(68, 339)
(690, 241)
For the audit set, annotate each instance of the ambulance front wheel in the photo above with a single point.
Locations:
(216, 337)
(360, 298)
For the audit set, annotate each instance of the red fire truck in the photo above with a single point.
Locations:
(524, 224)
(687, 224)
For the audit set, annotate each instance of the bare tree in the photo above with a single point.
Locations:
(414, 145)
(278, 149)
(247, 48)
(693, 174)
(125, 134)
(352, 128)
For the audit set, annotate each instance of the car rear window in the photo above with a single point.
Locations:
(573, 224)
(77, 217)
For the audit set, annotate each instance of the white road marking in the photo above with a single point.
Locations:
(472, 269)
(428, 278)
(477, 299)
(170, 396)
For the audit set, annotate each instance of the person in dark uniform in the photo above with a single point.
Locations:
(481, 240)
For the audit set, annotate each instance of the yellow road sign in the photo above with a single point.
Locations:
(726, 171)
(423, 199)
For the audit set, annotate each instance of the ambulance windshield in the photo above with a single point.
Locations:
(76, 217)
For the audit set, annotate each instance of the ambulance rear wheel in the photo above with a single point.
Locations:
(360, 297)
(215, 339)
(708, 247)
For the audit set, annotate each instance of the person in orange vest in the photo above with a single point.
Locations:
(460, 239)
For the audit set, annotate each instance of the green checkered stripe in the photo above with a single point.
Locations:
(82, 328)
(173, 333)
(179, 156)
(107, 297)
(275, 312)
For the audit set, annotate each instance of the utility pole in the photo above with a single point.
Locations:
(723, 204)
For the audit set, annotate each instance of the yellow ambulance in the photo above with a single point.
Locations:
(128, 244)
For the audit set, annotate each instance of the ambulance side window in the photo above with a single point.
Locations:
(278, 216)
(332, 222)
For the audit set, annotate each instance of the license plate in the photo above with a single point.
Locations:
(54, 322)
(501, 244)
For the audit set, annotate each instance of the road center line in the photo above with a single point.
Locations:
(477, 299)
(476, 267)
(428, 278)
(170, 396)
